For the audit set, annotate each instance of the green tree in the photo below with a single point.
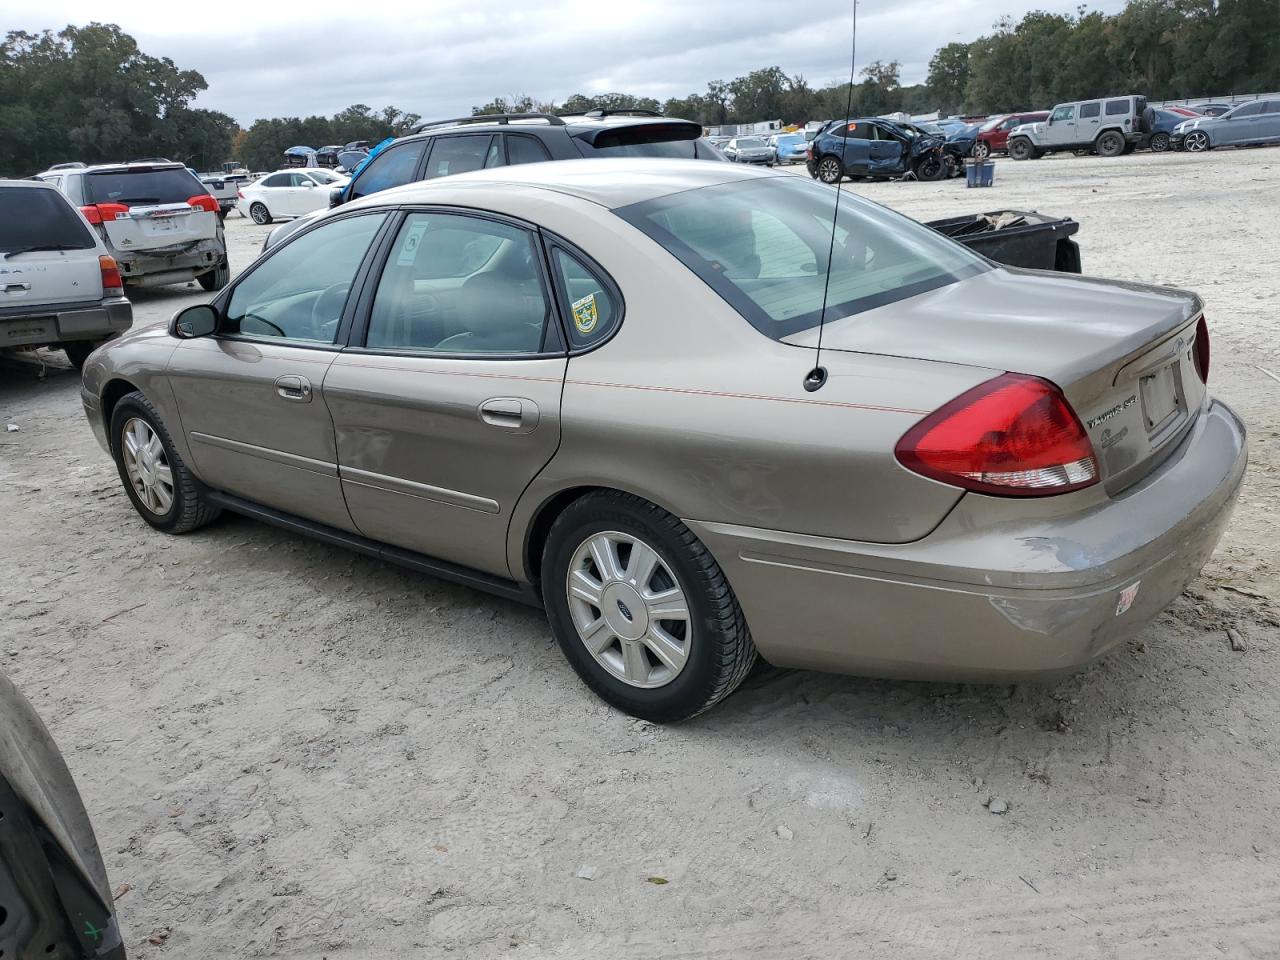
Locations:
(949, 75)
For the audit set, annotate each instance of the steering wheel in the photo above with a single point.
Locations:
(327, 309)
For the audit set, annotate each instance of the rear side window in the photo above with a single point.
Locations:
(278, 180)
(1090, 110)
(593, 309)
(450, 155)
(394, 167)
(36, 217)
(525, 150)
(142, 187)
(1117, 108)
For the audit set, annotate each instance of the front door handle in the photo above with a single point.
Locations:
(296, 389)
(515, 414)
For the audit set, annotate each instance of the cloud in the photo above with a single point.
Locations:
(439, 57)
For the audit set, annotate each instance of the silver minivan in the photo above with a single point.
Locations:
(156, 218)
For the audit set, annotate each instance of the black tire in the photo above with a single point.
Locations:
(830, 170)
(222, 214)
(721, 652)
(217, 278)
(1109, 144)
(259, 214)
(981, 150)
(931, 168)
(1020, 149)
(78, 352)
(189, 509)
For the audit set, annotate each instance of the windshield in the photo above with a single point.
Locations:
(762, 245)
(992, 123)
(35, 217)
(324, 176)
(142, 186)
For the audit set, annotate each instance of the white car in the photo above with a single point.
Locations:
(59, 286)
(288, 193)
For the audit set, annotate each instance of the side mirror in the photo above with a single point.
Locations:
(309, 184)
(335, 197)
(198, 321)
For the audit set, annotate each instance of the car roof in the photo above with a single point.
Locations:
(130, 165)
(37, 184)
(611, 183)
(539, 121)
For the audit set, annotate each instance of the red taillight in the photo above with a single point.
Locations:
(1013, 436)
(1201, 353)
(104, 212)
(111, 283)
(204, 202)
(91, 214)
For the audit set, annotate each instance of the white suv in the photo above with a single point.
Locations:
(1109, 127)
(58, 284)
(156, 218)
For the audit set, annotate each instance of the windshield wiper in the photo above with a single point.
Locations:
(43, 247)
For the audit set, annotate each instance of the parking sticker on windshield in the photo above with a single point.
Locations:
(409, 245)
(585, 315)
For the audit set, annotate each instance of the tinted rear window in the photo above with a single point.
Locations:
(640, 140)
(142, 187)
(39, 218)
(762, 245)
(1092, 109)
(1117, 108)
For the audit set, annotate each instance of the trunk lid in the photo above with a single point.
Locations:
(159, 226)
(1122, 353)
(50, 277)
(47, 253)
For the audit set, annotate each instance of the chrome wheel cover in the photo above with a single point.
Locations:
(147, 466)
(829, 170)
(1196, 141)
(629, 609)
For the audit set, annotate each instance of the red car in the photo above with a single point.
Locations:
(993, 136)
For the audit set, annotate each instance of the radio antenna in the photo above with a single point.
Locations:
(818, 375)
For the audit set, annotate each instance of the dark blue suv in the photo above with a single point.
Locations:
(440, 148)
(876, 149)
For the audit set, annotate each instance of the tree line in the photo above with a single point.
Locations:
(88, 93)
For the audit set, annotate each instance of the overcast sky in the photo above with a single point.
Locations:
(440, 57)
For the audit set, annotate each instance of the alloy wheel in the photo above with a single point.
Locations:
(1196, 141)
(981, 150)
(829, 170)
(1160, 142)
(629, 609)
(259, 214)
(147, 466)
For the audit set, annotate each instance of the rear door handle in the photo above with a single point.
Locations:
(515, 414)
(296, 389)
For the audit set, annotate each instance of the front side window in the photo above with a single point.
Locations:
(1246, 110)
(1117, 108)
(1088, 110)
(1063, 113)
(459, 285)
(299, 292)
(592, 308)
(394, 167)
(451, 155)
(762, 245)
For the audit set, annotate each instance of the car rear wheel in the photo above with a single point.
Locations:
(1159, 142)
(163, 491)
(78, 352)
(1020, 149)
(1110, 144)
(217, 278)
(830, 170)
(260, 214)
(981, 150)
(1196, 141)
(642, 610)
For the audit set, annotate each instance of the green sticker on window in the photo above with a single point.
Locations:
(585, 315)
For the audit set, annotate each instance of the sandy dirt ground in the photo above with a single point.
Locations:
(292, 751)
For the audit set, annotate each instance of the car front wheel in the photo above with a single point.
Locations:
(829, 170)
(642, 610)
(981, 150)
(260, 214)
(1197, 141)
(1020, 149)
(163, 491)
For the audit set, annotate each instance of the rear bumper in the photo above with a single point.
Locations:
(153, 268)
(985, 602)
(65, 323)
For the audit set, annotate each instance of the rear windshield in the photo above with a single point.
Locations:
(751, 142)
(677, 140)
(142, 186)
(34, 217)
(762, 245)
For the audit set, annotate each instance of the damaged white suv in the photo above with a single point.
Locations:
(157, 220)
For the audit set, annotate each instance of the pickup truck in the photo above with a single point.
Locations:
(223, 187)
